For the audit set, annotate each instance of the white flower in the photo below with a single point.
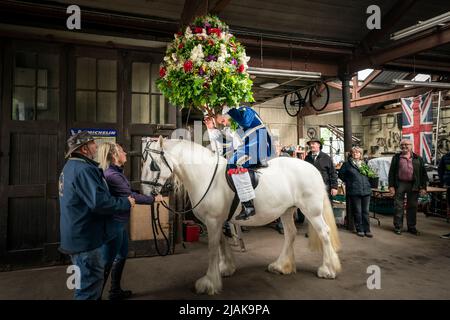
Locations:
(188, 33)
(197, 54)
(166, 58)
(174, 57)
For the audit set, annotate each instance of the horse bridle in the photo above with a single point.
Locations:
(155, 167)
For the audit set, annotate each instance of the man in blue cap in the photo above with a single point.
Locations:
(86, 208)
(254, 151)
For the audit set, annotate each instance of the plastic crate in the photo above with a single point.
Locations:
(382, 205)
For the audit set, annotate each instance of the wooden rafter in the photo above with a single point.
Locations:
(369, 79)
(407, 48)
(192, 9)
(219, 6)
(370, 99)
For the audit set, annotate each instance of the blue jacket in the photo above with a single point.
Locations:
(86, 206)
(119, 186)
(257, 146)
(356, 184)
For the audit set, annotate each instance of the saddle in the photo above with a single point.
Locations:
(254, 177)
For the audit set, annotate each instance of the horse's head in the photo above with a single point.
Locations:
(157, 168)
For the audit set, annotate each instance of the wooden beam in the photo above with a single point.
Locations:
(370, 99)
(192, 9)
(369, 79)
(310, 47)
(219, 6)
(355, 92)
(377, 112)
(327, 69)
(407, 48)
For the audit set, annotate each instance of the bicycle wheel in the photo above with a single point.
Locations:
(292, 104)
(319, 95)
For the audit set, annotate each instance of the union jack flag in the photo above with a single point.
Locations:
(417, 119)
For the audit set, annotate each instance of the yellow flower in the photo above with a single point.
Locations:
(226, 69)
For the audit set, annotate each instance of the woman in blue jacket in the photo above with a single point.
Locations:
(358, 191)
(112, 157)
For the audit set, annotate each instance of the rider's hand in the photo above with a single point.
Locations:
(334, 192)
(423, 192)
(159, 198)
(209, 122)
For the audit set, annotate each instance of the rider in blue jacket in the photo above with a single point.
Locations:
(255, 150)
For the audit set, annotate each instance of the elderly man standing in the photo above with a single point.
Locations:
(86, 208)
(324, 164)
(407, 175)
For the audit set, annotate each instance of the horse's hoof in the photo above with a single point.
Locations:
(325, 273)
(276, 268)
(205, 285)
(226, 270)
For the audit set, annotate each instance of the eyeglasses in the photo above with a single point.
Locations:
(407, 144)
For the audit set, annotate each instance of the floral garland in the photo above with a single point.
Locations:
(205, 67)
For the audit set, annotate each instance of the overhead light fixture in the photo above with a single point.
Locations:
(421, 26)
(284, 73)
(329, 113)
(441, 85)
(269, 85)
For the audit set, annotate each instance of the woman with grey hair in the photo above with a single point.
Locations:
(358, 191)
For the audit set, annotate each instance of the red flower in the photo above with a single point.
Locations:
(211, 42)
(217, 31)
(188, 66)
(162, 72)
(206, 85)
(241, 68)
(180, 46)
(198, 30)
(179, 33)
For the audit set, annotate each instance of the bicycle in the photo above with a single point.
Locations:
(317, 94)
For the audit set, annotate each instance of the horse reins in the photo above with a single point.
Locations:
(155, 183)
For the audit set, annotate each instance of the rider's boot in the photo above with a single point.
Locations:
(248, 210)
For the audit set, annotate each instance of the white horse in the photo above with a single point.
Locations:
(286, 184)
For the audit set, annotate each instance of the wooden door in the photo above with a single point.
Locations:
(32, 147)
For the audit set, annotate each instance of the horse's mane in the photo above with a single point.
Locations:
(179, 148)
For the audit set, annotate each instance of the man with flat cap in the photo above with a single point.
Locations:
(86, 208)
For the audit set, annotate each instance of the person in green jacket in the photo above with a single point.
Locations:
(407, 175)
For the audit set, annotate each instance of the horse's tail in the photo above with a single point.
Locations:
(314, 242)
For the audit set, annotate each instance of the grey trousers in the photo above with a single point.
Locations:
(412, 197)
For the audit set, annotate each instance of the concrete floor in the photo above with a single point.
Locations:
(411, 268)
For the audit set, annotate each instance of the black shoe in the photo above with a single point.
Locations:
(280, 230)
(116, 292)
(248, 210)
(414, 231)
(446, 236)
(398, 231)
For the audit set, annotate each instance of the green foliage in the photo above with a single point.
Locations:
(367, 171)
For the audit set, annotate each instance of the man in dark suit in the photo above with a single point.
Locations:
(324, 164)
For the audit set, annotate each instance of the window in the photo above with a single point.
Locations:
(148, 106)
(333, 147)
(36, 86)
(96, 90)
